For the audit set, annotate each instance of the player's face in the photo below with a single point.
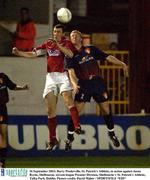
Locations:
(75, 38)
(57, 34)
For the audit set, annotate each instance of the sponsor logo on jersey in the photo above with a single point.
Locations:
(55, 52)
(86, 59)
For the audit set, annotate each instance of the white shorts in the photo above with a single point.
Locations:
(57, 82)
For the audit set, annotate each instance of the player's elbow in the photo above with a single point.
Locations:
(33, 54)
(70, 71)
(110, 58)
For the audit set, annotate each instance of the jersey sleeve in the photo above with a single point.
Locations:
(69, 63)
(10, 84)
(40, 50)
(99, 55)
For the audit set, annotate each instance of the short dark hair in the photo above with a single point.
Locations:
(24, 9)
(61, 26)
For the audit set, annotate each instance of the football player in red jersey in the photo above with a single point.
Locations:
(57, 80)
(5, 83)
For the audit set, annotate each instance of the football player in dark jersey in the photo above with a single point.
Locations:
(5, 84)
(87, 83)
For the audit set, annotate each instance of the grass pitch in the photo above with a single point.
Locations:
(80, 162)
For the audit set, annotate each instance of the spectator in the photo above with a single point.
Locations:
(25, 31)
(113, 46)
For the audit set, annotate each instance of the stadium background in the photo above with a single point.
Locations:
(109, 21)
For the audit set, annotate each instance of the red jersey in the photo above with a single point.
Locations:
(55, 58)
(25, 35)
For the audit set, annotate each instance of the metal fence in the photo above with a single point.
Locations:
(117, 84)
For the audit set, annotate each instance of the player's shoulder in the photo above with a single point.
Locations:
(63, 39)
(95, 49)
(66, 41)
(44, 43)
(47, 41)
(91, 46)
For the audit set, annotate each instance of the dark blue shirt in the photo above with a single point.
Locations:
(85, 62)
(5, 83)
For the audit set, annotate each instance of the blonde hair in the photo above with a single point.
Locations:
(78, 32)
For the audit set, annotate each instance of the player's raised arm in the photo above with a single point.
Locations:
(30, 54)
(116, 61)
(65, 50)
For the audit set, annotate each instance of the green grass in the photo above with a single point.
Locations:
(79, 162)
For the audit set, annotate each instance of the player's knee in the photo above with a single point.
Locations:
(69, 101)
(50, 112)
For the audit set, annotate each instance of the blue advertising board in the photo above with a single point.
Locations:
(27, 136)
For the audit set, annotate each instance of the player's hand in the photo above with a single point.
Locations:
(76, 88)
(25, 87)
(53, 43)
(125, 70)
(52, 40)
(15, 51)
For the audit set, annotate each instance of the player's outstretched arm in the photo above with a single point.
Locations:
(30, 54)
(116, 61)
(24, 87)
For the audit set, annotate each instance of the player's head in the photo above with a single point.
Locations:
(24, 14)
(58, 32)
(76, 37)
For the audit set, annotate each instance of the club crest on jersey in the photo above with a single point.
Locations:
(52, 52)
(87, 50)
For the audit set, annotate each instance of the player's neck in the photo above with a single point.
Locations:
(78, 46)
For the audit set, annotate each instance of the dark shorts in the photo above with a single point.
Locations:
(3, 114)
(94, 88)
